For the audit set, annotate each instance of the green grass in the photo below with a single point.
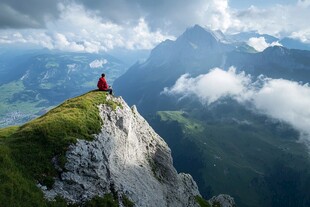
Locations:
(189, 124)
(127, 202)
(16, 189)
(106, 201)
(26, 152)
(232, 158)
(7, 132)
(202, 202)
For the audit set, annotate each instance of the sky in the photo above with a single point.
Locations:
(103, 25)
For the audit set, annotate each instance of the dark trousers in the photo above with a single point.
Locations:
(109, 90)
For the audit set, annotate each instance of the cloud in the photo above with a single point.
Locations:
(219, 16)
(260, 44)
(61, 42)
(98, 63)
(171, 16)
(142, 38)
(281, 99)
(35, 37)
(96, 25)
(285, 100)
(12, 18)
(212, 86)
(79, 30)
(303, 36)
(303, 3)
(27, 14)
(279, 20)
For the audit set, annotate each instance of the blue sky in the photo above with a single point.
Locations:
(102, 25)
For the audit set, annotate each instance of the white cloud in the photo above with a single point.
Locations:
(97, 34)
(79, 30)
(142, 38)
(260, 44)
(285, 100)
(303, 36)
(281, 99)
(212, 86)
(61, 42)
(98, 63)
(102, 25)
(279, 20)
(303, 3)
(36, 37)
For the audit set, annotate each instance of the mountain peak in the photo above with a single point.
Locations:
(197, 32)
(96, 145)
(197, 37)
(126, 157)
(197, 27)
(276, 50)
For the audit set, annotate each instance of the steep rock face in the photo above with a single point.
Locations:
(126, 158)
(222, 200)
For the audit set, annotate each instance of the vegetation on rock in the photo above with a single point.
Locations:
(26, 152)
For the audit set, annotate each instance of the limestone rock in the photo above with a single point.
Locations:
(126, 158)
(224, 200)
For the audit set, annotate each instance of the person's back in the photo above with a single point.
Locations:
(103, 85)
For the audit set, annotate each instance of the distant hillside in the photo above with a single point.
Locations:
(32, 82)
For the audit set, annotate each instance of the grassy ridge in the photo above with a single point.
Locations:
(26, 152)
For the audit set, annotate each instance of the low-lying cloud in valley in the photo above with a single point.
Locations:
(98, 63)
(212, 86)
(280, 99)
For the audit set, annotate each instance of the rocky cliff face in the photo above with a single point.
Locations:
(126, 158)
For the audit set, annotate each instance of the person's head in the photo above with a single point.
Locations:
(103, 75)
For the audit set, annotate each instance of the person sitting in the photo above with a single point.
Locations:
(103, 85)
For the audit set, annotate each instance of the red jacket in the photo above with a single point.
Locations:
(102, 84)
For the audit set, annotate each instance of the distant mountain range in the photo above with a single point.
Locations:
(227, 147)
(197, 51)
(287, 42)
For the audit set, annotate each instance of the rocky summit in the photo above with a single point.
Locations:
(126, 158)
